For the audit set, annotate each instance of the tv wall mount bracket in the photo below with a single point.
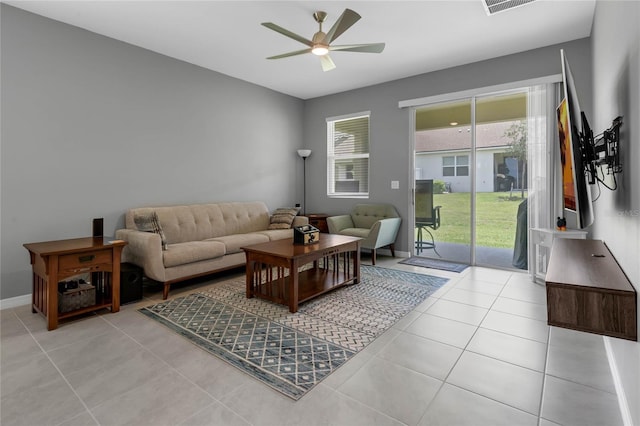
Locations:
(603, 150)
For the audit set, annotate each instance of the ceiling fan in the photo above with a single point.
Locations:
(320, 44)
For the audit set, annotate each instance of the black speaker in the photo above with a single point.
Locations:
(130, 283)
(98, 225)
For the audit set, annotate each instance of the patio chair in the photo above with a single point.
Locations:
(427, 216)
(376, 224)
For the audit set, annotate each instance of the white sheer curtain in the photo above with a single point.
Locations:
(542, 101)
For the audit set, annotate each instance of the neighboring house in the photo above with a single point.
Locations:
(445, 154)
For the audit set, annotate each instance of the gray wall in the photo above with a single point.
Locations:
(92, 126)
(616, 91)
(391, 134)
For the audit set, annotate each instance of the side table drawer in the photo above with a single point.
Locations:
(83, 261)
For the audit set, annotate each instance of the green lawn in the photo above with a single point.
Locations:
(496, 218)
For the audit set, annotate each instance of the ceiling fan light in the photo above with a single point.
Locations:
(320, 49)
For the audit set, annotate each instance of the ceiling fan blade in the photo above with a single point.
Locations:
(286, 55)
(287, 33)
(366, 48)
(344, 22)
(327, 63)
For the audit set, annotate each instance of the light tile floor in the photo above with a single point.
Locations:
(478, 352)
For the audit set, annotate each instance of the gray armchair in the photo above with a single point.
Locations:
(376, 224)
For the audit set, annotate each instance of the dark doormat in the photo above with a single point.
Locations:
(443, 265)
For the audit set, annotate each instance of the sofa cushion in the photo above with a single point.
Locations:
(283, 217)
(148, 222)
(234, 243)
(194, 251)
(197, 222)
(356, 232)
(277, 234)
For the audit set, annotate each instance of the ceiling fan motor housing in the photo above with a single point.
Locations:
(318, 38)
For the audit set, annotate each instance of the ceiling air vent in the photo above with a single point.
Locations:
(494, 6)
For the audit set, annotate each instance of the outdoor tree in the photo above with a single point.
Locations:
(517, 134)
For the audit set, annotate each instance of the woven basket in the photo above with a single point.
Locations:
(77, 298)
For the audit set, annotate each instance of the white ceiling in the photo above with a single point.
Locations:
(420, 36)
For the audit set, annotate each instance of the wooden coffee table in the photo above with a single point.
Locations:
(274, 268)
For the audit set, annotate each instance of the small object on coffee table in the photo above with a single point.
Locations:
(305, 234)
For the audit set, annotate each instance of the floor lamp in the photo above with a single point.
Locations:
(304, 153)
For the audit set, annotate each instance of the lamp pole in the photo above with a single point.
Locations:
(304, 186)
(304, 153)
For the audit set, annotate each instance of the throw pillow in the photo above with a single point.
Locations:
(283, 217)
(150, 223)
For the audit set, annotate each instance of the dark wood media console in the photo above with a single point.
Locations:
(588, 291)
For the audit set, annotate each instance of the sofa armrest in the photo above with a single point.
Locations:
(145, 250)
(383, 232)
(338, 223)
(300, 221)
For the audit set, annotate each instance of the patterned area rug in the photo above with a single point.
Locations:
(294, 352)
(435, 264)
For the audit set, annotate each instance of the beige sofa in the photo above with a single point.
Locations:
(199, 238)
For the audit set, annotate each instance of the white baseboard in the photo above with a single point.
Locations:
(13, 302)
(402, 254)
(622, 398)
(387, 252)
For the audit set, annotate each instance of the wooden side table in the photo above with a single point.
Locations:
(54, 261)
(319, 220)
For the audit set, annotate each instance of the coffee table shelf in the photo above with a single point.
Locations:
(289, 274)
(311, 283)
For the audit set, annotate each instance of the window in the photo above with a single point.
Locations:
(457, 165)
(348, 156)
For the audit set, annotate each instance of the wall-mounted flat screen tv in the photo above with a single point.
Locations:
(576, 197)
(566, 158)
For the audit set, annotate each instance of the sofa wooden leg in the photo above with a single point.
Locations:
(165, 291)
(393, 250)
(373, 256)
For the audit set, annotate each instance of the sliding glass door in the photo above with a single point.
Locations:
(443, 181)
(473, 156)
(501, 180)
